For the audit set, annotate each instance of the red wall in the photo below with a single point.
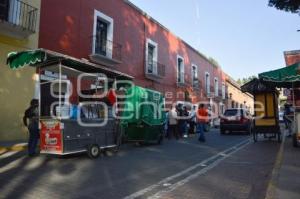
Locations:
(67, 27)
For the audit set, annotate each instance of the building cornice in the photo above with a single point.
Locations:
(128, 2)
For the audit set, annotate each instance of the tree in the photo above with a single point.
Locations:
(286, 5)
(245, 80)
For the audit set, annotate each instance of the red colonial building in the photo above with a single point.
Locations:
(118, 35)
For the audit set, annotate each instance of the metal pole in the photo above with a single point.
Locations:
(59, 90)
(39, 94)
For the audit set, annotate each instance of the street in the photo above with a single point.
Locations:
(229, 166)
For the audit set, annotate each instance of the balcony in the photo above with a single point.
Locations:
(106, 52)
(155, 70)
(196, 84)
(17, 19)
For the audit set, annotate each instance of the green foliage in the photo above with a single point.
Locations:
(286, 5)
(242, 81)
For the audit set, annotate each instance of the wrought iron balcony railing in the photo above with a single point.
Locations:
(107, 50)
(155, 69)
(19, 14)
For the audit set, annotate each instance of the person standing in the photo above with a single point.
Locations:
(186, 115)
(173, 124)
(192, 121)
(202, 118)
(32, 115)
(181, 120)
(166, 125)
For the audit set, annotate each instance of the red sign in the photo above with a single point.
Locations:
(51, 136)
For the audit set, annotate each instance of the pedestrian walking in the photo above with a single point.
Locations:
(202, 118)
(287, 121)
(32, 115)
(173, 129)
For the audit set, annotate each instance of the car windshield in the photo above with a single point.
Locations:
(232, 112)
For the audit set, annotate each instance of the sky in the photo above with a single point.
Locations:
(246, 37)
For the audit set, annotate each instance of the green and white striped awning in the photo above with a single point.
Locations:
(285, 77)
(43, 58)
(17, 60)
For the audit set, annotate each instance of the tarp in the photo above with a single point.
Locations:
(286, 77)
(143, 105)
(17, 60)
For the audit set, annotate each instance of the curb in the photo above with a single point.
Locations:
(272, 185)
(15, 147)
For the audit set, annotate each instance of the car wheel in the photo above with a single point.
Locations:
(93, 151)
(248, 132)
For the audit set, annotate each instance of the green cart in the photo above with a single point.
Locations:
(143, 116)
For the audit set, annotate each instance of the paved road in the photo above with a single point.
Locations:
(224, 167)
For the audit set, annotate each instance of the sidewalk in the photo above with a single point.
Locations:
(285, 182)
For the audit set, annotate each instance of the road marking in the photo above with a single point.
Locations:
(12, 165)
(271, 189)
(209, 163)
(8, 154)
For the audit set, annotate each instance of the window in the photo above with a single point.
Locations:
(207, 83)
(223, 91)
(151, 57)
(180, 69)
(216, 87)
(103, 34)
(194, 76)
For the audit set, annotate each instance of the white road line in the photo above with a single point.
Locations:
(195, 175)
(8, 154)
(200, 165)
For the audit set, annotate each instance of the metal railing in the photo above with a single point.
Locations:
(155, 68)
(20, 14)
(196, 83)
(107, 48)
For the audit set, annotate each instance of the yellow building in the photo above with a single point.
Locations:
(19, 25)
(236, 98)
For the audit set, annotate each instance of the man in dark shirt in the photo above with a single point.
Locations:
(32, 115)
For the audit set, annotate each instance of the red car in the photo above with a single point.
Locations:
(236, 119)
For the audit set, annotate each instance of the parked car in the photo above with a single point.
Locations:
(236, 119)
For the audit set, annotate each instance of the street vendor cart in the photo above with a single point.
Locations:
(77, 102)
(288, 78)
(143, 116)
(266, 117)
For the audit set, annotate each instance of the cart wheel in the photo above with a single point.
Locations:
(295, 141)
(160, 139)
(93, 151)
(255, 136)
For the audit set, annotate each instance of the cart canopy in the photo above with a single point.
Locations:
(256, 86)
(43, 58)
(143, 105)
(286, 77)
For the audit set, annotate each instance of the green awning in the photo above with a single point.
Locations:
(286, 77)
(43, 58)
(17, 60)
